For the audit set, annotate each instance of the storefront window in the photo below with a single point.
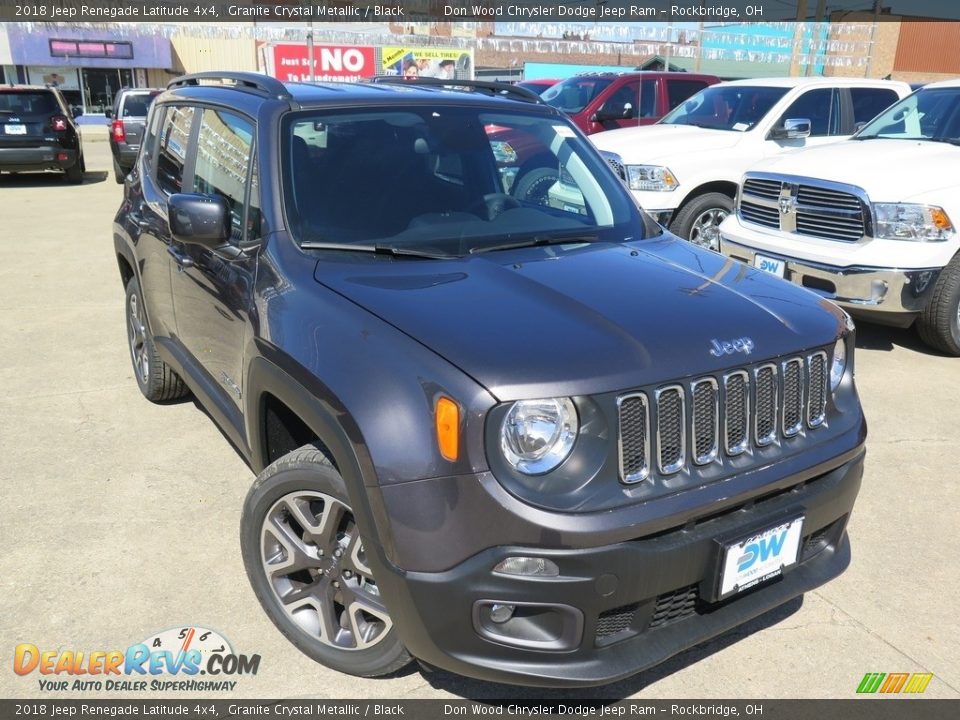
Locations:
(100, 87)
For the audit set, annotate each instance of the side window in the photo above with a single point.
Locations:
(680, 90)
(870, 102)
(223, 161)
(172, 152)
(150, 141)
(621, 101)
(820, 107)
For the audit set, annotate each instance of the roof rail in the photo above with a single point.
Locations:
(242, 80)
(491, 88)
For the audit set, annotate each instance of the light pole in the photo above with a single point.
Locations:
(313, 73)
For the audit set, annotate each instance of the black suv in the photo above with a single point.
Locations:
(518, 442)
(38, 132)
(127, 116)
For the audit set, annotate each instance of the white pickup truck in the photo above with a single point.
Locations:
(684, 170)
(870, 222)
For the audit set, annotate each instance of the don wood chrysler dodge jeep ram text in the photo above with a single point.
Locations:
(517, 442)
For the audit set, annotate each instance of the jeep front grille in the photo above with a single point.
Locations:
(803, 206)
(616, 163)
(722, 416)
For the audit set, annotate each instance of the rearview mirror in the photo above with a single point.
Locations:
(199, 219)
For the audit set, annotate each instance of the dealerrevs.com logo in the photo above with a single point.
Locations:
(171, 660)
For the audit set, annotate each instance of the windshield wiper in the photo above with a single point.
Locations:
(378, 249)
(535, 241)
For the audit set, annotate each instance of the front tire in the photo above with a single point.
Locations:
(306, 562)
(939, 323)
(699, 220)
(156, 380)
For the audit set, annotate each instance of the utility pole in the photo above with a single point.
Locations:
(313, 71)
(815, 36)
(873, 37)
(797, 53)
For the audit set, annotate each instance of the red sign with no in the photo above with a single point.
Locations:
(345, 63)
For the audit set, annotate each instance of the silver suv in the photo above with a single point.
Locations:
(127, 118)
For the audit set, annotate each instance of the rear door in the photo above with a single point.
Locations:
(133, 113)
(30, 118)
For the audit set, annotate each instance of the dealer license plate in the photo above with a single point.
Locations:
(770, 265)
(15, 129)
(760, 557)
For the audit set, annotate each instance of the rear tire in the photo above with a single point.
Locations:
(118, 174)
(699, 219)
(156, 380)
(534, 186)
(306, 562)
(939, 323)
(74, 173)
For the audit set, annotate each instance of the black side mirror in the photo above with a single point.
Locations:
(627, 112)
(77, 111)
(203, 220)
(108, 113)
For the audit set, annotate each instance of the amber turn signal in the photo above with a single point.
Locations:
(448, 428)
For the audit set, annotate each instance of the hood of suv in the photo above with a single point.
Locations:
(557, 321)
(652, 142)
(877, 166)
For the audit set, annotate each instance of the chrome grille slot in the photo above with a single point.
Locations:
(736, 389)
(705, 420)
(615, 162)
(769, 189)
(671, 435)
(792, 417)
(824, 197)
(760, 214)
(817, 382)
(765, 401)
(634, 438)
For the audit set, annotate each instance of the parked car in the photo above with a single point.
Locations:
(407, 355)
(538, 85)
(38, 132)
(127, 118)
(869, 223)
(684, 170)
(607, 100)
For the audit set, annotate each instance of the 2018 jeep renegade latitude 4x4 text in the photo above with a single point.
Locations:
(516, 442)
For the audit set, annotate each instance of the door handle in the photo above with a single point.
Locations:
(183, 261)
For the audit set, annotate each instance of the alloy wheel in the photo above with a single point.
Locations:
(315, 564)
(138, 339)
(706, 228)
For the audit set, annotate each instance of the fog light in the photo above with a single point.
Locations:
(501, 613)
(529, 566)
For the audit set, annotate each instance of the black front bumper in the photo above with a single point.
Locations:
(618, 609)
(28, 159)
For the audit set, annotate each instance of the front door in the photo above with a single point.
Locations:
(212, 290)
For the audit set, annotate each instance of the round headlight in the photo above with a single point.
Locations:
(839, 365)
(537, 435)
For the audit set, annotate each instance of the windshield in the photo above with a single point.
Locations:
(726, 107)
(932, 114)
(137, 105)
(448, 181)
(574, 94)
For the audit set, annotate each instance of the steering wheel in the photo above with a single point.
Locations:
(493, 204)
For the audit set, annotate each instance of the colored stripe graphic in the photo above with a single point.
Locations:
(870, 682)
(918, 683)
(894, 682)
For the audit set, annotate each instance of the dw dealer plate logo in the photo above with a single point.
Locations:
(193, 659)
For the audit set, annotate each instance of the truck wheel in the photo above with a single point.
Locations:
(699, 220)
(306, 562)
(939, 323)
(74, 173)
(157, 381)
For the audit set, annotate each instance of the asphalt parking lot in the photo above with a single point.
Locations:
(120, 518)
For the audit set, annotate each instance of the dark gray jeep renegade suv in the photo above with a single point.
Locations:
(530, 444)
